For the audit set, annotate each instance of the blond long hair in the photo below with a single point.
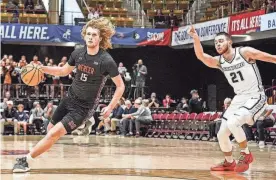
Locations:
(106, 31)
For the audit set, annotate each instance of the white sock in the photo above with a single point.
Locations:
(29, 158)
(229, 159)
(245, 150)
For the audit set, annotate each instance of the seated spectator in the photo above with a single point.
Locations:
(142, 116)
(6, 98)
(9, 118)
(22, 62)
(124, 123)
(265, 121)
(116, 117)
(159, 19)
(12, 7)
(256, 4)
(172, 20)
(168, 101)
(195, 102)
(183, 106)
(22, 118)
(49, 111)
(270, 7)
(93, 14)
(29, 6)
(153, 101)
(39, 9)
(37, 113)
(215, 125)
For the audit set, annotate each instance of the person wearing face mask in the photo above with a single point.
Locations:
(141, 72)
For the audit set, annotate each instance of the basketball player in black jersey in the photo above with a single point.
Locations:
(93, 64)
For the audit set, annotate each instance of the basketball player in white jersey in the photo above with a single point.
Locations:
(240, 69)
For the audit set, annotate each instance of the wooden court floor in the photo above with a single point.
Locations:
(102, 158)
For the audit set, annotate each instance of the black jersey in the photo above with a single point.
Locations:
(91, 72)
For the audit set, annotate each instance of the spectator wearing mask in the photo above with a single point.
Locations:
(183, 106)
(22, 118)
(142, 116)
(153, 101)
(116, 117)
(168, 101)
(215, 125)
(141, 72)
(264, 121)
(93, 14)
(195, 102)
(29, 6)
(48, 114)
(9, 118)
(124, 123)
(7, 97)
(37, 113)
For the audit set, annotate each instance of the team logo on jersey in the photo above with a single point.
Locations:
(96, 63)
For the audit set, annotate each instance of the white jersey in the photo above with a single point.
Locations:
(243, 76)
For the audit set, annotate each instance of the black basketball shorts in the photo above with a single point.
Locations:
(70, 113)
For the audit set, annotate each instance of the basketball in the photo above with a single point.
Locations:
(31, 75)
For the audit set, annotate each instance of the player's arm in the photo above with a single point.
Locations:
(210, 61)
(120, 88)
(58, 71)
(252, 53)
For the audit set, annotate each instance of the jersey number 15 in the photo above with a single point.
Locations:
(83, 77)
(235, 77)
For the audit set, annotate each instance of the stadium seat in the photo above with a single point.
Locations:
(109, 3)
(114, 12)
(178, 13)
(147, 4)
(204, 126)
(168, 126)
(118, 4)
(183, 5)
(6, 17)
(129, 22)
(151, 13)
(158, 4)
(160, 125)
(123, 12)
(171, 5)
(176, 125)
(165, 12)
(184, 125)
(188, 123)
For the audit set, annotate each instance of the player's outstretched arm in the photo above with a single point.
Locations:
(58, 71)
(252, 53)
(208, 60)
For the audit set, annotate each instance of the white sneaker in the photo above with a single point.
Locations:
(261, 144)
(234, 140)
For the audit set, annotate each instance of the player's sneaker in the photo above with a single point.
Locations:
(76, 132)
(88, 127)
(21, 165)
(224, 166)
(243, 162)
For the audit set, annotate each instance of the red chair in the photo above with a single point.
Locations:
(169, 125)
(153, 129)
(188, 123)
(215, 116)
(204, 126)
(195, 125)
(181, 131)
(160, 125)
(177, 124)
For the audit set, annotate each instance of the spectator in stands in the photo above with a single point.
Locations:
(48, 114)
(46, 61)
(270, 7)
(265, 121)
(37, 113)
(168, 101)
(172, 20)
(122, 70)
(130, 118)
(183, 106)
(195, 102)
(8, 118)
(141, 72)
(159, 19)
(39, 9)
(49, 82)
(22, 61)
(215, 125)
(12, 7)
(7, 97)
(11, 59)
(124, 122)
(29, 6)
(7, 75)
(153, 101)
(16, 79)
(93, 14)
(64, 80)
(142, 116)
(116, 117)
(256, 4)
(22, 118)
(35, 60)
(100, 8)
(2, 70)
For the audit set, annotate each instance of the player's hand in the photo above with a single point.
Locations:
(106, 111)
(192, 32)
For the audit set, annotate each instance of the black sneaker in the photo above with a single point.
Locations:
(21, 165)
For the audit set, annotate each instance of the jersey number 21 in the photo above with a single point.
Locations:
(235, 77)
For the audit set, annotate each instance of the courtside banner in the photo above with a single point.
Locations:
(206, 31)
(268, 22)
(57, 33)
(245, 23)
(142, 36)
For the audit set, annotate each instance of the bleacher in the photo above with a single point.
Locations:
(113, 9)
(36, 17)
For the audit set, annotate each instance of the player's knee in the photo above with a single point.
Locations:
(234, 122)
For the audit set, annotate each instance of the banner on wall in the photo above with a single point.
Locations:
(245, 23)
(206, 31)
(268, 22)
(58, 33)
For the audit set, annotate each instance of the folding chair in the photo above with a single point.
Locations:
(188, 124)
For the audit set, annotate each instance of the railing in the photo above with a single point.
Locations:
(47, 91)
